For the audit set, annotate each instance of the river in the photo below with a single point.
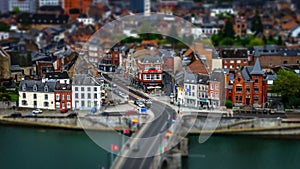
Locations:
(32, 148)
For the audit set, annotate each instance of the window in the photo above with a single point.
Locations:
(298, 61)
(89, 95)
(82, 103)
(46, 97)
(238, 89)
(89, 89)
(46, 104)
(76, 95)
(157, 67)
(95, 89)
(217, 95)
(68, 105)
(256, 79)
(193, 87)
(241, 99)
(255, 89)
(24, 95)
(57, 96)
(89, 104)
(285, 62)
(62, 97)
(211, 94)
(76, 88)
(248, 89)
(34, 88)
(212, 86)
(82, 95)
(95, 95)
(255, 99)
(82, 88)
(24, 102)
(68, 97)
(236, 99)
(46, 89)
(217, 87)
(24, 87)
(34, 96)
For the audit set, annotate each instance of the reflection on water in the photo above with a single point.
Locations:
(49, 149)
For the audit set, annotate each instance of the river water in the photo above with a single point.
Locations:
(32, 148)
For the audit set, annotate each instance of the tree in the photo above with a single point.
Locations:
(264, 39)
(228, 30)
(16, 10)
(257, 25)
(287, 83)
(228, 104)
(256, 42)
(227, 41)
(4, 27)
(279, 41)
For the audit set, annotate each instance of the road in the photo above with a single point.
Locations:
(146, 144)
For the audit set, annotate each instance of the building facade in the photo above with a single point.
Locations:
(250, 87)
(5, 60)
(50, 2)
(37, 94)
(23, 5)
(149, 72)
(81, 5)
(87, 93)
(110, 59)
(62, 91)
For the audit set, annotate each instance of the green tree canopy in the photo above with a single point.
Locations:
(228, 30)
(256, 42)
(4, 27)
(287, 83)
(256, 23)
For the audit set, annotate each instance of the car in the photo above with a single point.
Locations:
(105, 114)
(139, 103)
(114, 85)
(64, 110)
(16, 114)
(72, 115)
(37, 111)
(31, 115)
(124, 95)
(135, 147)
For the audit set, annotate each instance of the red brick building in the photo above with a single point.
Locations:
(62, 91)
(249, 87)
(81, 5)
(234, 58)
(110, 59)
(149, 72)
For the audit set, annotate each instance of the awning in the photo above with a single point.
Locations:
(134, 120)
(203, 100)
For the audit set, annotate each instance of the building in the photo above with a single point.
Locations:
(4, 6)
(37, 94)
(81, 5)
(272, 56)
(50, 2)
(87, 93)
(149, 71)
(241, 26)
(234, 58)
(190, 88)
(217, 88)
(110, 59)
(23, 5)
(203, 91)
(249, 86)
(137, 6)
(62, 91)
(5, 60)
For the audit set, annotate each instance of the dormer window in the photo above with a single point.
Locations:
(24, 87)
(35, 88)
(46, 88)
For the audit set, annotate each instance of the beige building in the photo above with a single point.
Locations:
(5, 73)
(37, 94)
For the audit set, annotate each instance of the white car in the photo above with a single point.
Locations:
(37, 111)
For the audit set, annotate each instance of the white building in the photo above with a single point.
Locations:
(87, 93)
(36, 94)
(86, 20)
(50, 2)
(23, 5)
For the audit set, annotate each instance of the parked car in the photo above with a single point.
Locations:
(37, 111)
(16, 114)
(124, 95)
(64, 110)
(139, 103)
(31, 115)
(72, 115)
(105, 114)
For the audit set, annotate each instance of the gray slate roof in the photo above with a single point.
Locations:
(257, 68)
(84, 80)
(151, 59)
(40, 86)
